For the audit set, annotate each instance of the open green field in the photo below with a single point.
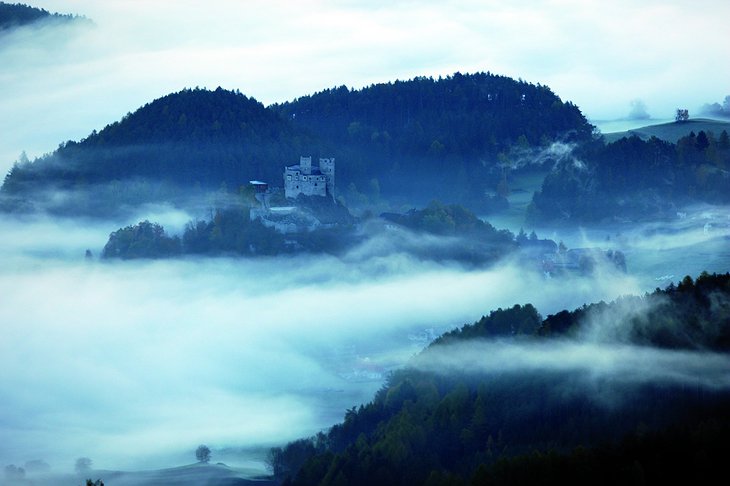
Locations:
(672, 131)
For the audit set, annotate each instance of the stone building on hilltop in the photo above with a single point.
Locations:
(310, 180)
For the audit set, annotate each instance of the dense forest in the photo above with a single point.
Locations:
(230, 231)
(424, 138)
(540, 424)
(633, 178)
(449, 131)
(18, 14)
(456, 235)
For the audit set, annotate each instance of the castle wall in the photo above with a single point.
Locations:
(296, 182)
(308, 180)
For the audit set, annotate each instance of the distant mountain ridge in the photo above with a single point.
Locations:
(409, 136)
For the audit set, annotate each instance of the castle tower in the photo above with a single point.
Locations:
(327, 167)
(305, 164)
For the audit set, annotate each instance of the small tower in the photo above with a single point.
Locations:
(305, 164)
(327, 167)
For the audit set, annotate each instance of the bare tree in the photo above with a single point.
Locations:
(682, 115)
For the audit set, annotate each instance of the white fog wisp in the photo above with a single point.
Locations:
(621, 363)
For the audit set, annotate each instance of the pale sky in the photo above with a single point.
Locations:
(600, 55)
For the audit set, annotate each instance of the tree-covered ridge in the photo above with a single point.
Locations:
(320, 226)
(419, 139)
(464, 115)
(635, 178)
(519, 427)
(143, 240)
(691, 315)
(448, 220)
(193, 137)
(232, 231)
(18, 14)
(443, 133)
(459, 234)
(193, 116)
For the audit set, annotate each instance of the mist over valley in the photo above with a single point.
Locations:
(234, 252)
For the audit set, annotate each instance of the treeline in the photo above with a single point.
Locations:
(449, 220)
(420, 139)
(692, 315)
(535, 426)
(229, 232)
(192, 139)
(461, 236)
(18, 14)
(635, 178)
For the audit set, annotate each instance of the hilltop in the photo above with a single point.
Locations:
(418, 138)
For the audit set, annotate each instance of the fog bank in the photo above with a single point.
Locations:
(136, 363)
(594, 362)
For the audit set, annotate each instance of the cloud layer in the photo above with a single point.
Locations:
(134, 364)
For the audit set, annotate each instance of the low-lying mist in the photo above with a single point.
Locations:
(596, 363)
(134, 364)
(657, 252)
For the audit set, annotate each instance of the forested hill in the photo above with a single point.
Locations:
(193, 137)
(454, 127)
(464, 115)
(18, 14)
(635, 179)
(632, 392)
(422, 138)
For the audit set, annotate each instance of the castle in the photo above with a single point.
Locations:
(308, 180)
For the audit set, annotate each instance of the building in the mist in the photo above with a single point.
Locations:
(310, 180)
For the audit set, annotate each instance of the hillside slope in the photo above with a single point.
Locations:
(593, 396)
